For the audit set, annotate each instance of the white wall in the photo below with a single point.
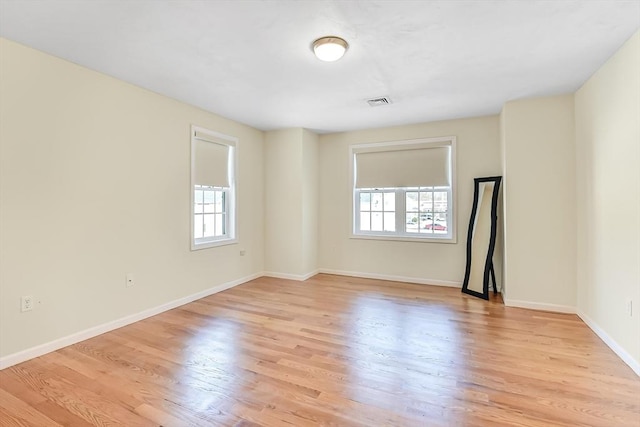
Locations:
(607, 115)
(94, 183)
(477, 155)
(291, 189)
(539, 202)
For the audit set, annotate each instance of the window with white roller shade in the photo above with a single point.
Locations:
(211, 163)
(409, 167)
(212, 188)
(404, 189)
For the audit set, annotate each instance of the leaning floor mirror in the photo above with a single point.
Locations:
(481, 238)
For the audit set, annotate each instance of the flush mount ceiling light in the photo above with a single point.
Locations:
(330, 48)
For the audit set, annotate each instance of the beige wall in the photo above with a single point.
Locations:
(94, 183)
(608, 159)
(477, 155)
(501, 238)
(291, 202)
(539, 202)
(283, 201)
(310, 188)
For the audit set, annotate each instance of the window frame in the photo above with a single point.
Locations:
(230, 213)
(400, 209)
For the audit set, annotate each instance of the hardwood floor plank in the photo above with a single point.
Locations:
(331, 351)
(14, 411)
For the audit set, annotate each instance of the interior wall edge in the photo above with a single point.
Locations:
(624, 355)
(610, 342)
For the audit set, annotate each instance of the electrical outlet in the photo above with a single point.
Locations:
(129, 282)
(630, 307)
(243, 252)
(26, 303)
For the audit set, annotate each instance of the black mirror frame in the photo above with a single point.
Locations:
(488, 266)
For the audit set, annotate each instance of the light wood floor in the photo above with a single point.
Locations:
(330, 351)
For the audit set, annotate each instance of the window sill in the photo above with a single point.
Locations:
(214, 244)
(404, 238)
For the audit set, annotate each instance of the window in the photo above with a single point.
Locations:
(427, 210)
(210, 214)
(404, 190)
(212, 188)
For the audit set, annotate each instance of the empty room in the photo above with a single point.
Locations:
(319, 213)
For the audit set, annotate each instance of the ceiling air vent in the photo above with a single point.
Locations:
(376, 102)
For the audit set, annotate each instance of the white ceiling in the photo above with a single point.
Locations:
(251, 61)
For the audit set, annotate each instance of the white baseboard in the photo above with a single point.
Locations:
(556, 308)
(393, 278)
(611, 343)
(39, 350)
(298, 277)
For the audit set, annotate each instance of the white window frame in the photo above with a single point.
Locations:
(230, 192)
(400, 209)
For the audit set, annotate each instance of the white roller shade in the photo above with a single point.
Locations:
(421, 167)
(211, 163)
(218, 139)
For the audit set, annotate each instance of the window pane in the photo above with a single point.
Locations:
(440, 227)
(365, 221)
(426, 216)
(207, 196)
(219, 231)
(376, 202)
(426, 196)
(412, 201)
(389, 221)
(208, 200)
(197, 226)
(389, 202)
(197, 200)
(440, 217)
(376, 221)
(365, 201)
(440, 196)
(208, 226)
(440, 203)
(426, 201)
(426, 223)
(412, 223)
(219, 199)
